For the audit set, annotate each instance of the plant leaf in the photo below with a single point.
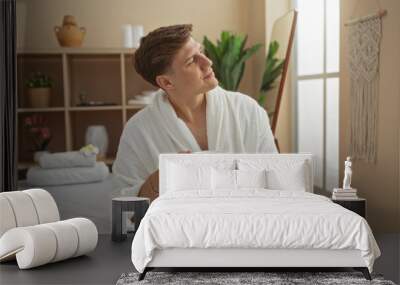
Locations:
(211, 51)
(273, 67)
(229, 56)
(238, 68)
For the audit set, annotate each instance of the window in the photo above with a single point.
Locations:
(316, 82)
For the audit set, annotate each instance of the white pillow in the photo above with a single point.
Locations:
(294, 178)
(251, 178)
(181, 177)
(223, 179)
(236, 179)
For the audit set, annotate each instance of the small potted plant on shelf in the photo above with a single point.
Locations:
(39, 90)
(39, 133)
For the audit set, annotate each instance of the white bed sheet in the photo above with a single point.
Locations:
(251, 218)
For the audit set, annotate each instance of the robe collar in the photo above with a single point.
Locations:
(177, 128)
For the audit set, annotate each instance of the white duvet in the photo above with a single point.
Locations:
(251, 218)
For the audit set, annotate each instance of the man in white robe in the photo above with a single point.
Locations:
(191, 113)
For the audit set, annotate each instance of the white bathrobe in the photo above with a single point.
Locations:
(235, 124)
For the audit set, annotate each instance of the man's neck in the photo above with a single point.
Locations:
(188, 108)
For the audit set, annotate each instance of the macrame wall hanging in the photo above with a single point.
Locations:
(364, 46)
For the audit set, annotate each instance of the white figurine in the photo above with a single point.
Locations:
(347, 173)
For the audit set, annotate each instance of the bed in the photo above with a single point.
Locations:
(247, 210)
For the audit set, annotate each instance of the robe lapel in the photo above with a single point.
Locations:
(174, 126)
(214, 120)
(223, 126)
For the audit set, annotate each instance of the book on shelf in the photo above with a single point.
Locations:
(345, 194)
(341, 190)
(350, 196)
(345, 198)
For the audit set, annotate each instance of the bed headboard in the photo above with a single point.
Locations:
(231, 160)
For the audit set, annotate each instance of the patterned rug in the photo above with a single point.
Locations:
(243, 278)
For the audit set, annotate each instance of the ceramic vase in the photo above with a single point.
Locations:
(97, 136)
(137, 34)
(127, 40)
(69, 34)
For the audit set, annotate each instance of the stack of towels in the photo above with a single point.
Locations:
(73, 167)
(344, 194)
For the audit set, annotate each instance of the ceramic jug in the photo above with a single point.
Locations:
(70, 35)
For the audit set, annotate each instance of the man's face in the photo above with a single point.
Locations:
(191, 71)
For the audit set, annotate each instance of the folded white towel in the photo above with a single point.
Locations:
(37, 176)
(66, 159)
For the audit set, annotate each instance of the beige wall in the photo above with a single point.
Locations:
(256, 19)
(284, 132)
(103, 20)
(378, 183)
(261, 17)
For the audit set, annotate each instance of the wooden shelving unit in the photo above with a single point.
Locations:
(102, 74)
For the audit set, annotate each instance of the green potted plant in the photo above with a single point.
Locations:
(229, 56)
(39, 90)
(272, 70)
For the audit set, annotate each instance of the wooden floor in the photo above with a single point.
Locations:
(110, 260)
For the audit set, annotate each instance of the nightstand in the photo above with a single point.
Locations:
(137, 205)
(358, 205)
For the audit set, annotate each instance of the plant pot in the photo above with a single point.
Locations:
(39, 97)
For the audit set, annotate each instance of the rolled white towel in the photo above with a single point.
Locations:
(36, 245)
(66, 159)
(37, 176)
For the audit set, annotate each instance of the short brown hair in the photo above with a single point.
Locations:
(158, 48)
